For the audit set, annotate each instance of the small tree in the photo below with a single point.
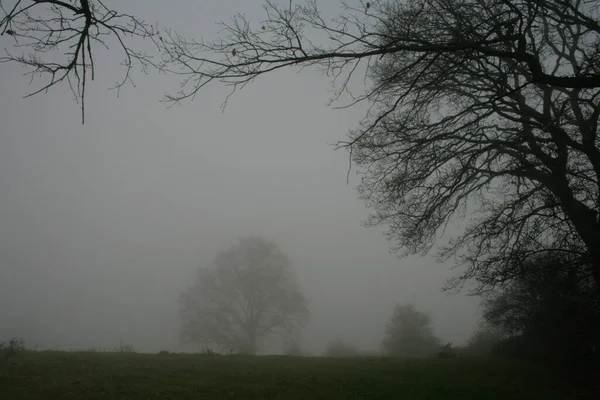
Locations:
(409, 333)
(249, 294)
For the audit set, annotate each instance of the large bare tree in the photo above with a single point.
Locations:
(249, 295)
(482, 107)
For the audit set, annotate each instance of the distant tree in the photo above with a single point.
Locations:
(249, 294)
(339, 348)
(409, 333)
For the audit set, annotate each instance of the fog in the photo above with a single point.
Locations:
(104, 225)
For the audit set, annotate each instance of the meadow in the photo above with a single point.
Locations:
(124, 375)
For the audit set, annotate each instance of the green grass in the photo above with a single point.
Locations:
(90, 375)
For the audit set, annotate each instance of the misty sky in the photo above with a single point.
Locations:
(103, 225)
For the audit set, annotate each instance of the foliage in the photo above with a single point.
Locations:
(409, 333)
(249, 294)
(339, 348)
(60, 375)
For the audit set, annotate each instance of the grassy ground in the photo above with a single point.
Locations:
(80, 375)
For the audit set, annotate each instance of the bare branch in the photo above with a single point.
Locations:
(60, 36)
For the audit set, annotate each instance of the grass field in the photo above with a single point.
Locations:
(81, 375)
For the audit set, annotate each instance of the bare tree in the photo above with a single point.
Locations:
(485, 107)
(58, 40)
(250, 294)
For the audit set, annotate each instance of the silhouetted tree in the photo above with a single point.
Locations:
(409, 333)
(488, 107)
(249, 294)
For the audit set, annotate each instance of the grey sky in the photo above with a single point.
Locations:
(103, 225)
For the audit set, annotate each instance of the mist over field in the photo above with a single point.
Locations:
(104, 225)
